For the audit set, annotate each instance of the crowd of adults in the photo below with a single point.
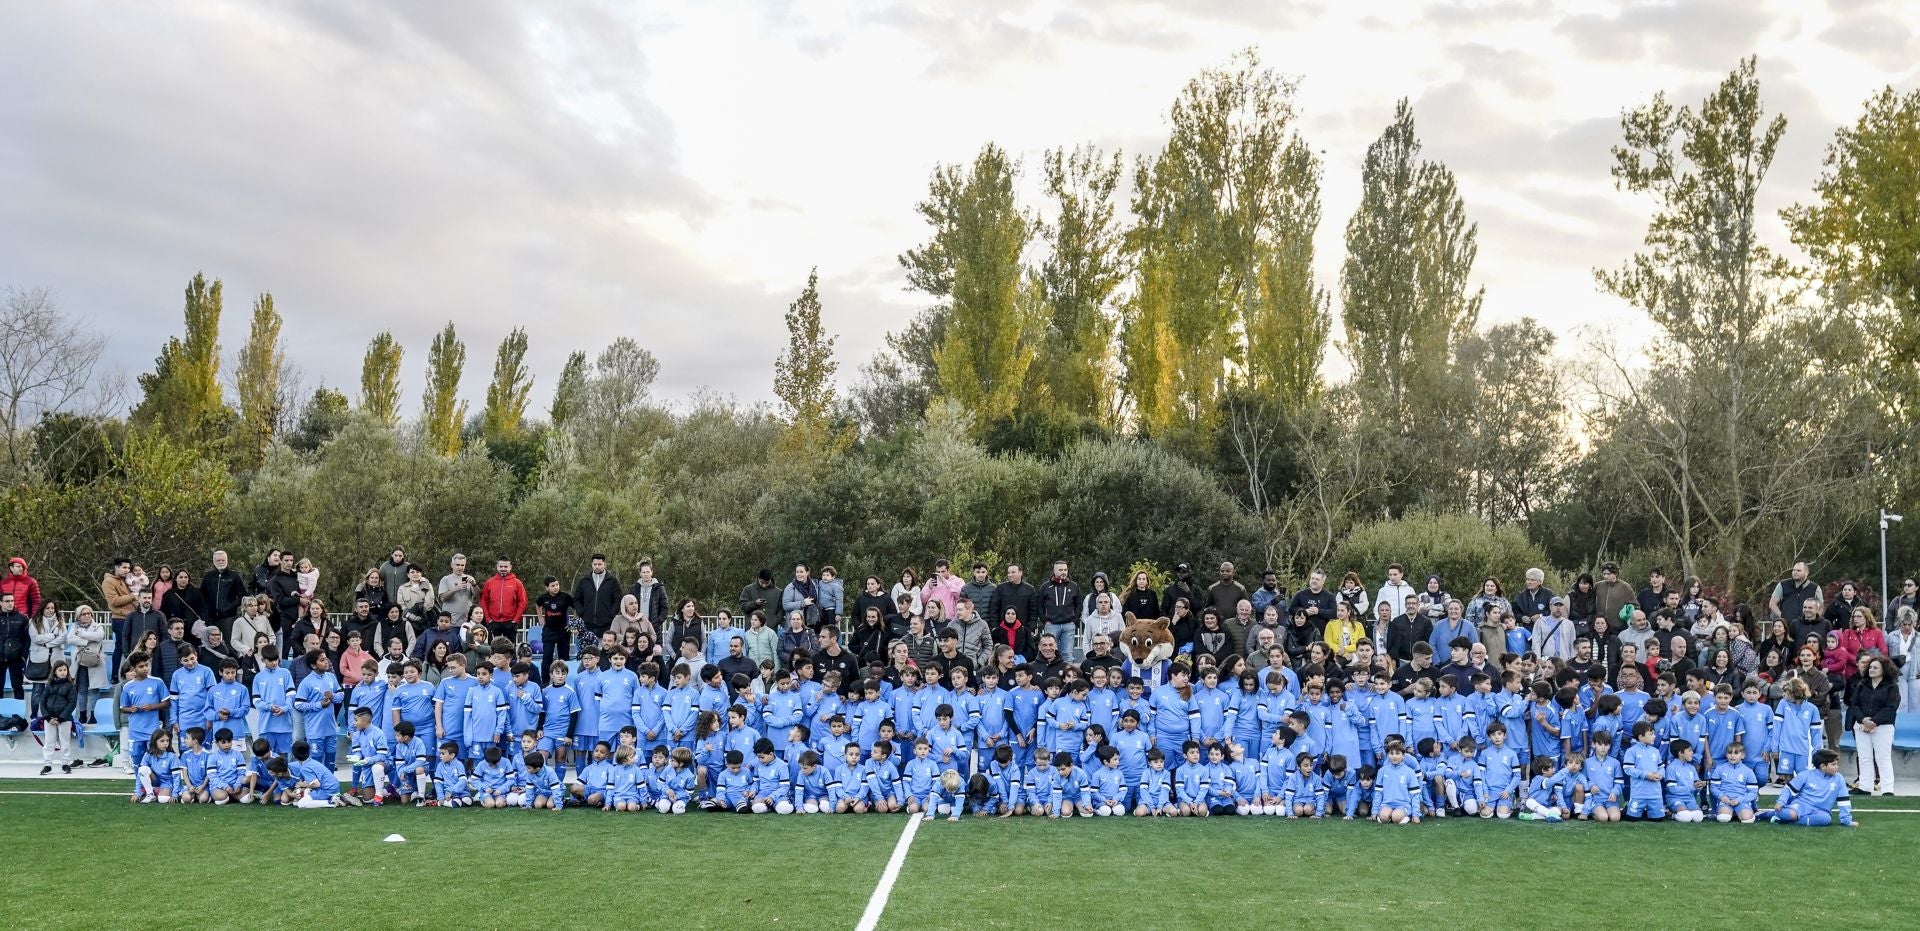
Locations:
(1829, 636)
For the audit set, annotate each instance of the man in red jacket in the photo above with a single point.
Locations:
(23, 587)
(503, 600)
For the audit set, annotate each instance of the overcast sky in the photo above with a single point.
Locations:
(670, 171)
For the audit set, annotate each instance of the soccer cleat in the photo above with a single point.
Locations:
(352, 799)
(375, 802)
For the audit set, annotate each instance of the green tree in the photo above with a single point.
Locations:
(1403, 288)
(1234, 186)
(507, 393)
(182, 393)
(1084, 268)
(380, 379)
(1288, 321)
(326, 413)
(442, 411)
(257, 376)
(972, 263)
(570, 392)
(803, 375)
(1738, 433)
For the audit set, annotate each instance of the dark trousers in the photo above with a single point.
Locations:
(553, 647)
(507, 629)
(15, 669)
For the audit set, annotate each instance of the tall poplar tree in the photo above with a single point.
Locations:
(257, 377)
(507, 393)
(442, 411)
(380, 379)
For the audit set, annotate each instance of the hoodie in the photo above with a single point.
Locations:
(23, 587)
(1060, 602)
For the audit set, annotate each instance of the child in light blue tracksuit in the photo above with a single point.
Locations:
(539, 786)
(1465, 784)
(881, 779)
(1155, 793)
(1193, 782)
(810, 784)
(846, 781)
(1601, 780)
(1397, 788)
(412, 764)
(731, 791)
(1646, 775)
(1732, 789)
(675, 789)
(450, 788)
(772, 781)
(1109, 783)
(919, 775)
(626, 786)
(1305, 794)
(1684, 783)
(1797, 729)
(949, 796)
(1810, 799)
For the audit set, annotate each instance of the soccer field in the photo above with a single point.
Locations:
(93, 861)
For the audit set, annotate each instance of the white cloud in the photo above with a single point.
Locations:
(671, 171)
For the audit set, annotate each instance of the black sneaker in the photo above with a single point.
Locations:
(1856, 790)
(46, 770)
(99, 763)
(66, 768)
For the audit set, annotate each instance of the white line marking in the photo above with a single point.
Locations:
(26, 792)
(877, 903)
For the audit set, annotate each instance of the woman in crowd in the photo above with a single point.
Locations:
(1905, 651)
(188, 603)
(88, 638)
(909, 584)
(1141, 600)
(1873, 704)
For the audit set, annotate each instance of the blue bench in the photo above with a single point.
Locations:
(1906, 732)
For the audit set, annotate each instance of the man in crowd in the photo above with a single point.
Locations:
(1016, 594)
(761, 595)
(979, 589)
(1791, 592)
(458, 589)
(503, 600)
(596, 597)
(1060, 610)
(1315, 601)
(1225, 593)
(224, 588)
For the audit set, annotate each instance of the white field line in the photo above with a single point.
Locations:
(877, 902)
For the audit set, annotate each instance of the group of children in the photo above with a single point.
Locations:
(1271, 742)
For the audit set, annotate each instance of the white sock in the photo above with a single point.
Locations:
(1470, 807)
(783, 807)
(812, 808)
(663, 806)
(1723, 817)
(759, 808)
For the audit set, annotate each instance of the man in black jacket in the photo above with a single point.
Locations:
(13, 646)
(224, 589)
(596, 597)
(1315, 601)
(830, 657)
(284, 588)
(1016, 594)
(1181, 587)
(763, 596)
(1060, 611)
(1047, 663)
(142, 619)
(1410, 627)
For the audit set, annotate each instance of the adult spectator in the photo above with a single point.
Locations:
(1809, 624)
(1554, 634)
(393, 574)
(442, 632)
(1791, 592)
(1639, 631)
(417, 603)
(1226, 593)
(1141, 600)
(1017, 596)
(1104, 619)
(503, 600)
(831, 658)
(870, 638)
(1491, 595)
(373, 590)
(909, 585)
(1862, 635)
(362, 621)
(118, 597)
(1395, 593)
(948, 656)
(24, 588)
(1048, 662)
(457, 589)
(1354, 594)
(596, 597)
(1454, 626)
(224, 590)
(1411, 626)
(1840, 609)
(187, 602)
(1314, 601)
(979, 590)
(1060, 610)
(972, 631)
(650, 592)
(763, 642)
(1268, 593)
(943, 586)
(794, 638)
(736, 663)
(1533, 602)
(1100, 654)
(1873, 702)
(1612, 594)
(144, 618)
(1181, 587)
(269, 564)
(1654, 596)
(1904, 649)
(15, 644)
(802, 595)
(1909, 597)
(760, 595)
(872, 595)
(1583, 602)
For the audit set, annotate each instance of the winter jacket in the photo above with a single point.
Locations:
(766, 601)
(284, 589)
(596, 605)
(976, 639)
(980, 593)
(58, 698)
(41, 644)
(794, 598)
(1861, 641)
(187, 604)
(1880, 703)
(1225, 597)
(394, 575)
(14, 642)
(1060, 602)
(1022, 598)
(423, 647)
(791, 640)
(1611, 597)
(23, 587)
(223, 590)
(503, 599)
(119, 598)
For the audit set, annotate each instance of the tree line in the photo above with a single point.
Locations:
(1131, 370)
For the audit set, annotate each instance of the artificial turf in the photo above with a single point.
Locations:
(98, 861)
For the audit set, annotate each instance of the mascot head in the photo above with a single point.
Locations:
(1147, 642)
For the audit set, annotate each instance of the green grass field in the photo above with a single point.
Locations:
(97, 861)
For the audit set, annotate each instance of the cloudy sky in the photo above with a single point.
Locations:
(670, 171)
